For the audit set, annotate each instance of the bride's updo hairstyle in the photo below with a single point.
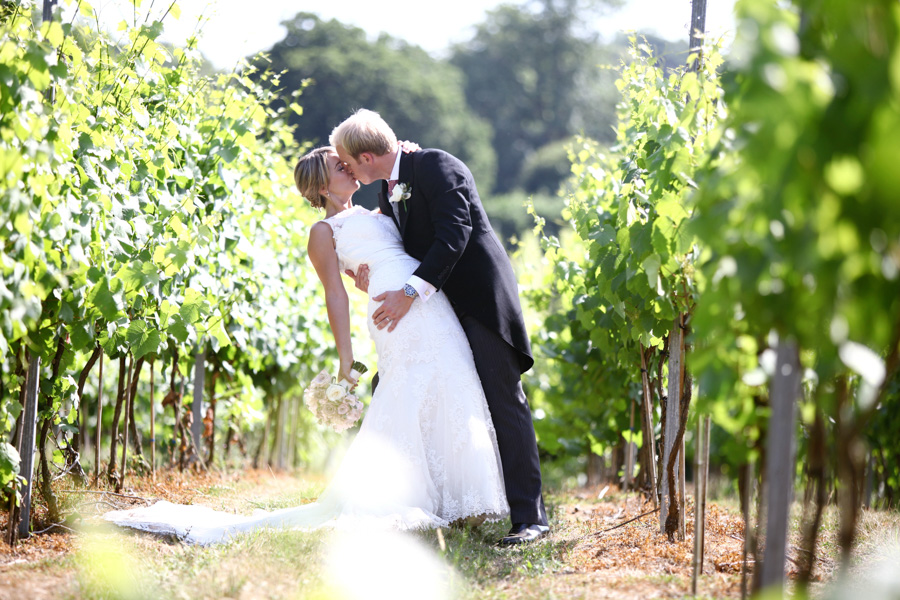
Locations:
(311, 174)
(364, 131)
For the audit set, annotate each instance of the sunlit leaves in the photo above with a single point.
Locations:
(192, 307)
(631, 210)
(142, 339)
(115, 197)
(107, 297)
(798, 212)
(631, 213)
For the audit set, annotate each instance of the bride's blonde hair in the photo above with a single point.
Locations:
(311, 174)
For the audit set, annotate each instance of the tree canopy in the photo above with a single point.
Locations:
(533, 73)
(421, 97)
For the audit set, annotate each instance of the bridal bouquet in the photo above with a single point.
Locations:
(331, 402)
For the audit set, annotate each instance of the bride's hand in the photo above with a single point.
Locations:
(346, 373)
(408, 146)
(360, 278)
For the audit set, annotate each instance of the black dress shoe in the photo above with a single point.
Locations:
(522, 533)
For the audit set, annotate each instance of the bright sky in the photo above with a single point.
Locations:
(238, 28)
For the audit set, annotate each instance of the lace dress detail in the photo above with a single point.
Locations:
(426, 452)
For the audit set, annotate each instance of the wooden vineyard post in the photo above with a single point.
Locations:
(99, 422)
(280, 433)
(29, 417)
(695, 46)
(277, 436)
(698, 28)
(152, 425)
(746, 475)
(647, 427)
(701, 479)
(197, 404)
(48, 9)
(629, 453)
(682, 494)
(12, 530)
(27, 443)
(211, 416)
(292, 440)
(128, 388)
(785, 391)
(179, 425)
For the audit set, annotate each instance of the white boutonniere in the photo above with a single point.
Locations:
(401, 192)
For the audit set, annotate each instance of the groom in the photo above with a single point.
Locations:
(431, 196)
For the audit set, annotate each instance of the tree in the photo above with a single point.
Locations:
(532, 72)
(421, 97)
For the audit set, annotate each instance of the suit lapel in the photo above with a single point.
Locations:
(385, 205)
(405, 177)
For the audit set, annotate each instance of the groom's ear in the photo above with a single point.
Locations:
(366, 158)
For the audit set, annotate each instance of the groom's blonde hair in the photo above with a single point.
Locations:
(364, 131)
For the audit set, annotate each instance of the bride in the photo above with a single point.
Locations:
(426, 453)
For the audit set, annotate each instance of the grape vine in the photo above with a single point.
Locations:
(147, 213)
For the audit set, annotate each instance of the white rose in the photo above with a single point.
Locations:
(335, 392)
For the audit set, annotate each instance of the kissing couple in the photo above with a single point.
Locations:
(448, 435)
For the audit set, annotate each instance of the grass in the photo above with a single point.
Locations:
(266, 564)
(575, 561)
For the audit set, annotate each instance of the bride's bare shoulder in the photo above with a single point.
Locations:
(319, 227)
(321, 237)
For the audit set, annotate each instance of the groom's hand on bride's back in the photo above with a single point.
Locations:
(360, 278)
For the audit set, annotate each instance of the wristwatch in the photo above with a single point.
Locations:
(410, 291)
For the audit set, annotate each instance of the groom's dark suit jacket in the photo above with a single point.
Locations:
(445, 227)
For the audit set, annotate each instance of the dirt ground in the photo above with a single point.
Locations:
(604, 544)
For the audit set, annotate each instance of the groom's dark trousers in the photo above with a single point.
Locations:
(498, 368)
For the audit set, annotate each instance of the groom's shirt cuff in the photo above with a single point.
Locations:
(425, 289)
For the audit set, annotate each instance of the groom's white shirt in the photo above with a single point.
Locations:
(425, 289)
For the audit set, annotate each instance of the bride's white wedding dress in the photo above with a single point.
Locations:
(426, 452)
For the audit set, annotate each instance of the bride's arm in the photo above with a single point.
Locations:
(324, 259)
